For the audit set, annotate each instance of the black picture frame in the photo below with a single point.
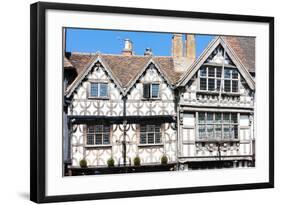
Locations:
(38, 101)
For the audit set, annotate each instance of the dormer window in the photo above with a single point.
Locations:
(151, 90)
(99, 90)
(212, 79)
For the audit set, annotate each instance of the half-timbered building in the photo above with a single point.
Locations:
(198, 113)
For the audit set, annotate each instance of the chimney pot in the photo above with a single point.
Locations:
(128, 47)
(148, 52)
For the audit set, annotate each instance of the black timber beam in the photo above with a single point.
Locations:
(90, 119)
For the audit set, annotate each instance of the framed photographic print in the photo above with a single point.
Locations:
(129, 102)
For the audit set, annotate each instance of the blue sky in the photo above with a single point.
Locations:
(112, 42)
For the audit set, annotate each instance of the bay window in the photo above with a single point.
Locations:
(217, 126)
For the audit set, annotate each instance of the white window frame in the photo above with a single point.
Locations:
(98, 83)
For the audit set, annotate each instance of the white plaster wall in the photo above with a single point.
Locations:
(187, 139)
(77, 144)
(82, 105)
(152, 154)
(136, 105)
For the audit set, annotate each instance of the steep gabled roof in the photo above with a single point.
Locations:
(244, 48)
(85, 71)
(124, 69)
(159, 68)
(207, 52)
(67, 63)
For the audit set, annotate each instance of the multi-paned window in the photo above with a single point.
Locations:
(217, 126)
(99, 90)
(150, 90)
(150, 134)
(98, 135)
(211, 79)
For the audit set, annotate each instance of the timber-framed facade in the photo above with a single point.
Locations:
(197, 113)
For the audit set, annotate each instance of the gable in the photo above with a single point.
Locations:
(139, 100)
(218, 52)
(152, 66)
(88, 70)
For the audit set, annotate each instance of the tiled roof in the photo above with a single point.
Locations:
(127, 68)
(167, 66)
(244, 48)
(80, 60)
(67, 64)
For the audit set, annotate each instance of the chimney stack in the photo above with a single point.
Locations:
(190, 51)
(128, 48)
(177, 46)
(183, 53)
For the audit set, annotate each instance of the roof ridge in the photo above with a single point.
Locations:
(112, 54)
(84, 53)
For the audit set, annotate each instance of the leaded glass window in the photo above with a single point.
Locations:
(150, 134)
(150, 90)
(99, 90)
(217, 126)
(211, 79)
(98, 135)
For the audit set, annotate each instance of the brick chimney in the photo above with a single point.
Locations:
(183, 53)
(128, 48)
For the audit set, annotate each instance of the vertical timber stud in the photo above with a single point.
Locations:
(124, 130)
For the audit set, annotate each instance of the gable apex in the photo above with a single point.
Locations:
(232, 58)
(148, 65)
(94, 61)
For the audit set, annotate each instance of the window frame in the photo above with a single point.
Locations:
(94, 133)
(222, 124)
(149, 132)
(216, 78)
(99, 85)
(150, 90)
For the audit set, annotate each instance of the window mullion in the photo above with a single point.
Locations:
(102, 137)
(150, 88)
(94, 135)
(215, 74)
(214, 134)
(98, 89)
(207, 78)
(231, 80)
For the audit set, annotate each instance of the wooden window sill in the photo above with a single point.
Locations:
(206, 92)
(150, 145)
(98, 98)
(99, 146)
